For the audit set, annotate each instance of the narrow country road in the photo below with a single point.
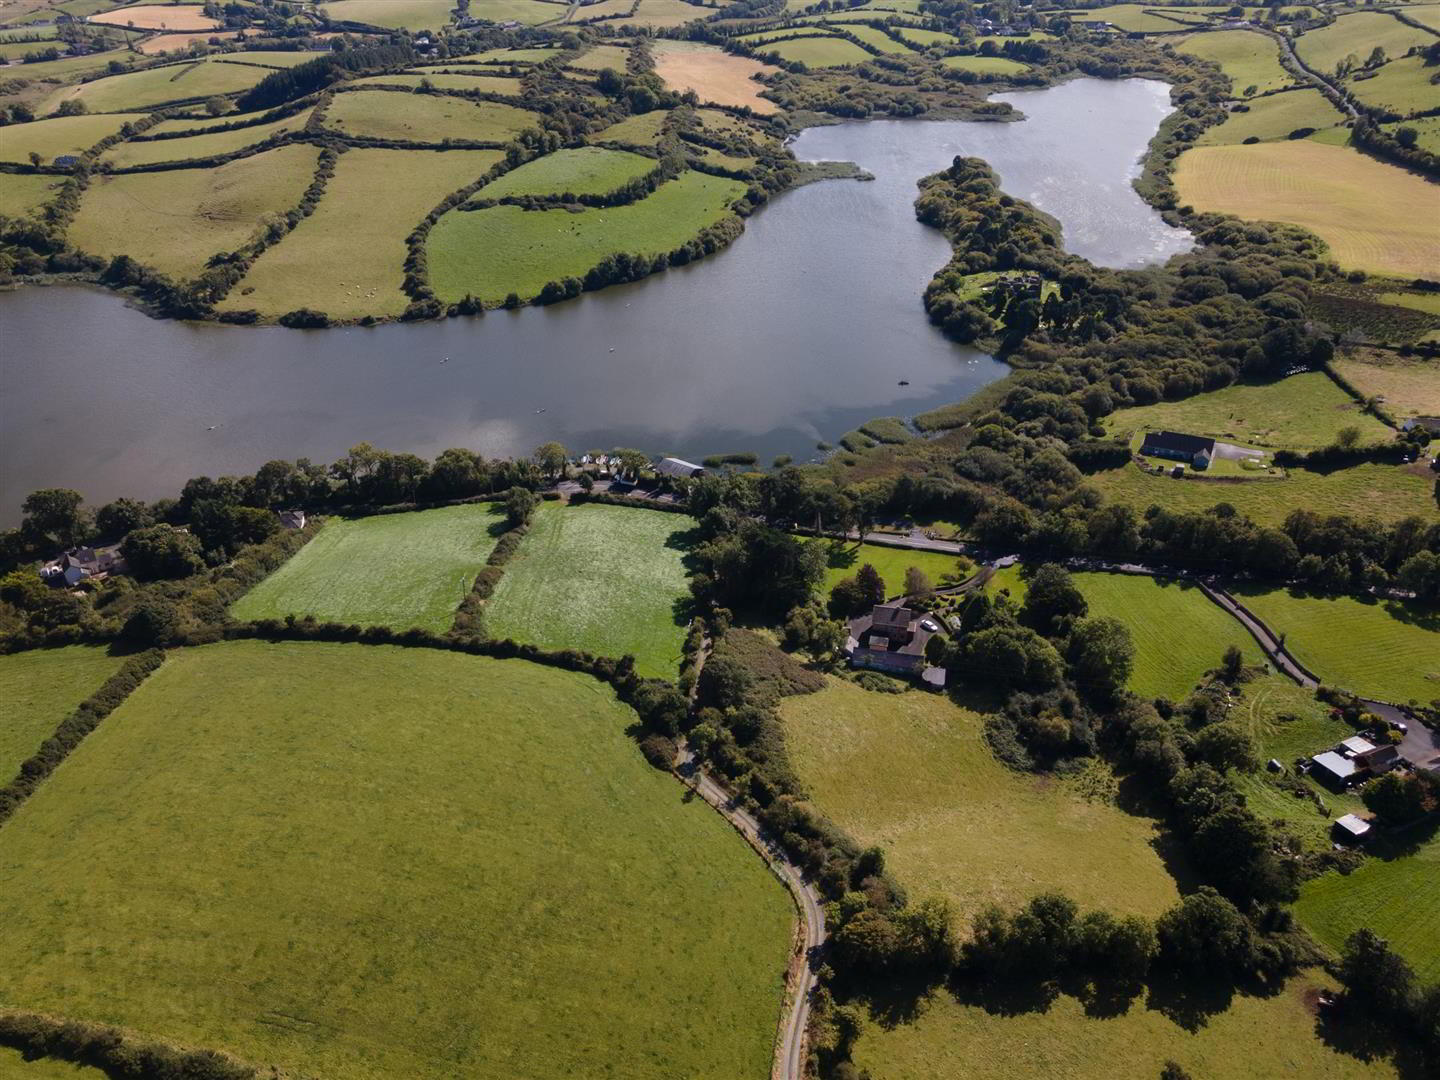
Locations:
(1272, 646)
(790, 1053)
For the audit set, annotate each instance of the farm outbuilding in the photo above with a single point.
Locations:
(678, 467)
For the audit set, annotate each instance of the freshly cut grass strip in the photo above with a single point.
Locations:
(425, 118)
(1364, 209)
(176, 220)
(396, 570)
(585, 170)
(490, 253)
(1274, 117)
(61, 135)
(348, 258)
(606, 579)
(40, 688)
(374, 862)
(199, 146)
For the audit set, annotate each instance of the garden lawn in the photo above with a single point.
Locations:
(1301, 412)
(199, 146)
(1392, 893)
(137, 90)
(373, 862)
(984, 65)
(394, 14)
(21, 194)
(1402, 86)
(1274, 117)
(818, 52)
(489, 253)
(1384, 649)
(1362, 208)
(715, 76)
(845, 559)
(396, 570)
(175, 220)
(1324, 48)
(1409, 385)
(61, 135)
(425, 118)
(913, 774)
(606, 579)
(1249, 59)
(348, 258)
(1178, 633)
(1254, 1039)
(40, 688)
(585, 170)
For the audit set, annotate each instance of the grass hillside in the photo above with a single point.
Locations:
(397, 570)
(817, 52)
(62, 135)
(204, 145)
(913, 773)
(1357, 35)
(606, 579)
(140, 90)
(1249, 59)
(22, 194)
(1274, 117)
(374, 862)
(1402, 86)
(425, 118)
(40, 688)
(585, 170)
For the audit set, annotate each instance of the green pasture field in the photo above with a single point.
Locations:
(347, 259)
(1249, 59)
(926, 38)
(200, 125)
(1392, 893)
(984, 65)
(1256, 1038)
(1410, 386)
(1301, 412)
(654, 13)
(528, 12)
(584, 170)
(18, 50)
(33, 34)
(642, 129)
(14, 1066)
(1426, 14)
(1402, 86)
(385, 114)
(376, 862)
(489, 253)
(176, 220)
(532, 55)
(606, 579)
(913, 774)
(599, 57)
(1386, 492)
(822, 52)
(1360, 207)
(40, 688)
(881, 40)
(394, 14)
(396, 570)
(198, 146)
(1274, 117)
(62, 135)
(1143, 18)
(1385, 649)
(1178, 633)
(145, 89)
(1427, 130)
(1357, 34)
(499, 84)
(271, 58)
(22, 194)
(67, 67)
(727, 161)
(844, 559)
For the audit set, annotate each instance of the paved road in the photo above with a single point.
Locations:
(1268, 642)
(790, 1059)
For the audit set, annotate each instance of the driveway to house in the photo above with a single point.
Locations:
(1231, 452)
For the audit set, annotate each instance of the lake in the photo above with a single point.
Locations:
(802, 329)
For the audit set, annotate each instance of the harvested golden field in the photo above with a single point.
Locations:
(158, 17)
(716, 76)
(163, 43)
(1410, 385)
(1371, 215)
(174, 221)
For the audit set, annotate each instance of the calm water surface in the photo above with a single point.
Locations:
(801, 330)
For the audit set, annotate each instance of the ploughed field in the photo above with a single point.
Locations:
(370, 862)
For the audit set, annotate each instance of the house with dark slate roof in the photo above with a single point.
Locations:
(1193, 450)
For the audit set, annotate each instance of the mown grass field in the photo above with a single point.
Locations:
(397, 570)
(819, 52)
(585, 170)
(21, 194)
(348, 258)
(1383, 649)
(844, 559)
(1402, 86)
(1274, 117)
(1249, 59)
(61, 135)
(1392, 893)
(1178, 633)
(490, 253)
(716, 76)
(40, 688)
(1300, 412)
(197, 146)
(393, 14)
(913, 774)
(607, 579)
(984, 65)
(386, 114)
(139, 90)
(1357, 34)
(1387, 492)
(1409, 385)
(1362, 208)
(376, 862)
(1254, 1039)
(176, 220)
